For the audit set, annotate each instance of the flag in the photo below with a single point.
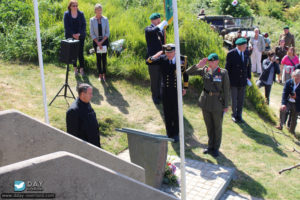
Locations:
(234, 2)
(168, 11)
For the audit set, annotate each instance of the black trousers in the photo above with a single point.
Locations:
(268, 91)
(170, 105)
(101, 60)
(237, 98)
(80, 53)
(155, 79)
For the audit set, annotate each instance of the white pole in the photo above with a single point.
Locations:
(180, 112)
(38, 38)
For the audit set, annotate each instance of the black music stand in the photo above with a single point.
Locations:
(68, 55)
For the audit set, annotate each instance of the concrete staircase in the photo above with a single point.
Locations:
(37, 159)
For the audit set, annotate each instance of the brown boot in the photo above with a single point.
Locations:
(279, 127)
(100, 77)
(103, 76)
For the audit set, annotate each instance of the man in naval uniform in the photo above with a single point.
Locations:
(167, 64)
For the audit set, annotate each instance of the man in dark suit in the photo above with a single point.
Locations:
(239, 71)
(167, 63)
(81, 118)
(290, 101)
(155, 38)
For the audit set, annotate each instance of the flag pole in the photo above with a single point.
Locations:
(180, 110)
(38, 38)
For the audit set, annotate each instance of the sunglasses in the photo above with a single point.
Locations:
(74, 6)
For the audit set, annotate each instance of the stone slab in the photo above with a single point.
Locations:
(69, 176)
(22, 138)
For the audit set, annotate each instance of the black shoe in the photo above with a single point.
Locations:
(234, 119)
(208, 151)
(241, 121)
(176, 139)
(215, 153)
(156, 101)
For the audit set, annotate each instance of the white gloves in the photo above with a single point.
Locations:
(162, 25)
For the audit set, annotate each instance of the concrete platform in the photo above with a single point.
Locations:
(204, 180)
(68, 176)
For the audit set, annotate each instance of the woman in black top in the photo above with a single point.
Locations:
(75, 25)
(99, 30)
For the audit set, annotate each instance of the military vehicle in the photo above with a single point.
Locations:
(227, 26)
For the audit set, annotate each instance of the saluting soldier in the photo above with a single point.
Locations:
(213, 100)
(167, 63)
(155, 38)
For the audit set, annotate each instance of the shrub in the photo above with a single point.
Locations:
(225, 7)
(271, 8)
(293, 13)
(257, 100)
(16, 12)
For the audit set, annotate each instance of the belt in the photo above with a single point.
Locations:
(210, 93)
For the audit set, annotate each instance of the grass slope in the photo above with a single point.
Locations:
(255, 149)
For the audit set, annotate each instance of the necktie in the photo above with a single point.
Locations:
(242, 56)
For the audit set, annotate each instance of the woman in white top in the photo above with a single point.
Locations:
(99, 31)
(257, 45)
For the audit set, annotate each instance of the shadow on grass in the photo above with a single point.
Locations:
(97, 97)
(190, 143)
(242, 180)
(114, 97)
(261, 138)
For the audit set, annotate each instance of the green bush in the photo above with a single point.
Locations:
(14, 12)
(225, 7)
(19, 44)
(293, 13)
(271, 8)
(257, 100)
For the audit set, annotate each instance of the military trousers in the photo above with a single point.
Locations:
(213, 121)
(155, 81)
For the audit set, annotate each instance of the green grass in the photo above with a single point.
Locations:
(256, 149)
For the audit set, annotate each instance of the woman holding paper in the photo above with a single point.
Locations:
(99, 31)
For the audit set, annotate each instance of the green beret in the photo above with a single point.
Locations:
(286, 27)
(154, 16)
(169, 47)
(213, 57)
(241, 41)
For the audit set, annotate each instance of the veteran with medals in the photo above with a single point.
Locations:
(167, 64)
(213, 100)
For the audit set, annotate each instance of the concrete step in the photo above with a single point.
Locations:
(204, 180)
